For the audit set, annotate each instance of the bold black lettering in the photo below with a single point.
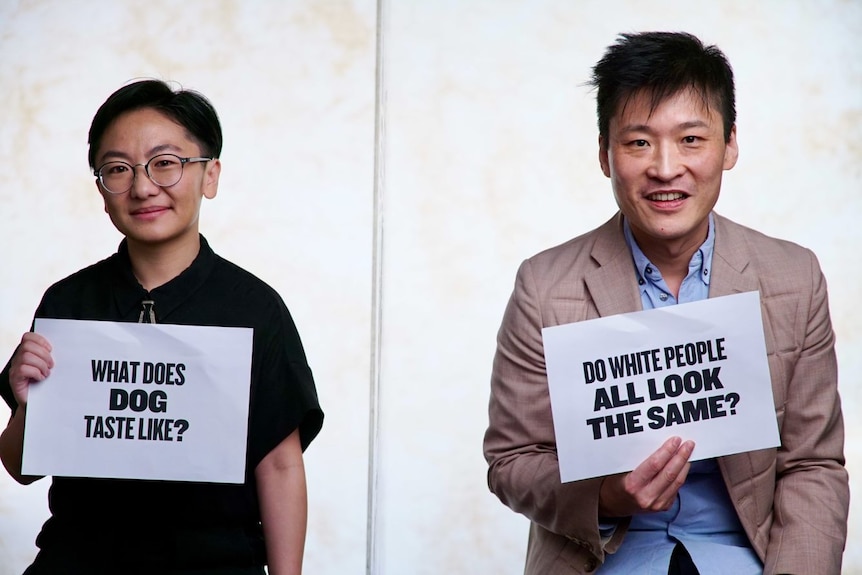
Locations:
(692, 382)
(134, 365)
(716, 409)
(589, 372)
(138, 400)
(160, 373)
(148, 373)
(118, 400)
(181, 377)
(710, 378)
(616, 364)
(719, 349)
(655, 415)
(653, 394)
(99, 427)
(99, 369)
(673, 385)
(109, 427)
(158, 401)
(602, 399)
(596, 424)
(674, 415)
(695, 410)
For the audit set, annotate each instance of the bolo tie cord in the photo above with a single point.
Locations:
(148, 312)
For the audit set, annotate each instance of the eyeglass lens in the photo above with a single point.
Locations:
(164, 170)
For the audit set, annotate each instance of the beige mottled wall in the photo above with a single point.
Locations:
(487, 155)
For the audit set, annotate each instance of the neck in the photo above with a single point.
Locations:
(156, 265)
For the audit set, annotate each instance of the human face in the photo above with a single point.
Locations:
(665, 167)
(151, 215)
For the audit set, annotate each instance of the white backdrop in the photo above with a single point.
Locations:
(485, 154)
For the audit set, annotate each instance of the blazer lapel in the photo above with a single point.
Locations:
(612, 285)
(730, 261)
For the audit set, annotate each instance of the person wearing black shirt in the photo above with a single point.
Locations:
(154, 152)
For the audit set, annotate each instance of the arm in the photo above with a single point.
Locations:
(280, 479)
(811, 502)
(31, 363)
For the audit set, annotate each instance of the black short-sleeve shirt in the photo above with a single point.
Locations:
(130, 524)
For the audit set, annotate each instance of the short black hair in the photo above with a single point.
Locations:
(662, 64)
(190, 109)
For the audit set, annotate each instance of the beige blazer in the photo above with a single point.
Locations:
(792, 501)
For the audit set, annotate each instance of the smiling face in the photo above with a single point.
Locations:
(665, 167)
(149, 215)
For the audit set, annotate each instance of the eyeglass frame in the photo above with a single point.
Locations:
(183, 161)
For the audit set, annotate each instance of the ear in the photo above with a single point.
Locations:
(603, 157)
(213, 171)
(731, 150)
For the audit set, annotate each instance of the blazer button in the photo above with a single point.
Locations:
(590, 565)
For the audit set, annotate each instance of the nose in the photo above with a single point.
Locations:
(142, 185)
(666, 163)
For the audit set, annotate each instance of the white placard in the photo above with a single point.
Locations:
(140, 401)
(620, 385)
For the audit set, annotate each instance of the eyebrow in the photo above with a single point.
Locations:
(684, 126)
(160, 149)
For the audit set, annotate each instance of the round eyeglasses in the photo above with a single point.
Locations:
(164, 170)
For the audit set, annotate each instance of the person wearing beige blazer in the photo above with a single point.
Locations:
(665, 140)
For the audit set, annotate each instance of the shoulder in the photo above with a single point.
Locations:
(760, 243)
(86, 283)
(563, 268)
(772, 259)
(245, 294)
(243, 283)
(602, 243)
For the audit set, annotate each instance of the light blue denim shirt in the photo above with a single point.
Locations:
(702, 518)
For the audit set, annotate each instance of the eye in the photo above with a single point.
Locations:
(165, 162)
(639, 143)
(114, 169)
(690, 139)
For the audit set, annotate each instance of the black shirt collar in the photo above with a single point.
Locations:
(129, 293)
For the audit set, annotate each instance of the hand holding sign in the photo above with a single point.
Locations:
(652, 486)
(31, 363)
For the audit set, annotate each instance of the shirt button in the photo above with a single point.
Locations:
(663, 297)
(706, 272)
(648, 270)
(590, 565)
(641, 281)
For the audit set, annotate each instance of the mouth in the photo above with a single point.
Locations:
(666, 196)
(149, 210)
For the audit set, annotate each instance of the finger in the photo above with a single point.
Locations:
(29, 372)
(36, 364)
(652, 466)
(33, 343)
(36, 338)
(666, 499)
(662, 487)
(667, 483)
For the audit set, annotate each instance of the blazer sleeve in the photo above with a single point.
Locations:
(519, 443)
(811, 492)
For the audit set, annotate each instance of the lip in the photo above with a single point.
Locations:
(149, 212)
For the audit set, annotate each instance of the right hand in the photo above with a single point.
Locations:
(652, 486)
(32, 362)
